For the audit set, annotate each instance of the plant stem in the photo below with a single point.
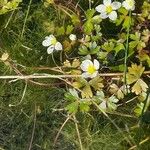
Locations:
(33, 130)
(89, 4)
(46, 76)
(23, 29)
(23, 95)
(78, 133)
(126, 51)
(55, 140)
(9, 19)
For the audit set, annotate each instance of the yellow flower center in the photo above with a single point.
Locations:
(91, 69)
(109, 9)
(53, 41)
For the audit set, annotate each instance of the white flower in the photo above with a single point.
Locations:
(90, 68)
(107, 9)
(129, 4)
(72, 37)
(52, 44)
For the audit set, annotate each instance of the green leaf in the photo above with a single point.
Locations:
(69, 29)
(133, 44)
(114, 89)
(96, 83)
(107, 103)
(88, 27)
(100, 95)
(127, 22)
(6, 6)
(108, 46)
(138, 109)
(83, 50)
(111, 103)
(75, 19)
(72, 95)
(73, 107)
(60, 31)
(119, 47)
(87, 92)
(89, 13)
(84, 107)
(102, 55)
(134, 73)
(123, 11)
(139, 87)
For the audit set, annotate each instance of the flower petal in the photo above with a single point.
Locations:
(72, 37)
(94, 74)
(133, 7)
(113, 15)
(46, 42)
(50, 49)
(116, 5)
(101, 8)
(129, 4)
(58, 46)
(85, 75)
(96, 64)
(106, 2)
(51, 36)
(84, 65)
(125, 4)
(103, 15)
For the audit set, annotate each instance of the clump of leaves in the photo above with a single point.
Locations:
(6, 6)
(88, 88)
(77, 103)
(107, 103)
(134, 76)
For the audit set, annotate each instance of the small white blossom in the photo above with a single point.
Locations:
(90, 69)
(129, 4)
(52, 44)
(72, 37)
(108, 9)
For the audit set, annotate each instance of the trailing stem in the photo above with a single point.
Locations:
(78, 133)
(24, 24)
(126, 51)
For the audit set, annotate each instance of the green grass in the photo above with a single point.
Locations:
(33, 121)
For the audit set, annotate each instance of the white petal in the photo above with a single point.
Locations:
(84, 65)
(101, 8)
(94, 74)
(133, 7)
(46, 42)
(103, 105)
(58, 46)
(85, 75)
(125, 5)
(103, 15)
(116, 5)
(96, 64)
(106, 2)
(72, 37)
(50, 49)
(129, 4)
(51, 36)
(113, 15)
